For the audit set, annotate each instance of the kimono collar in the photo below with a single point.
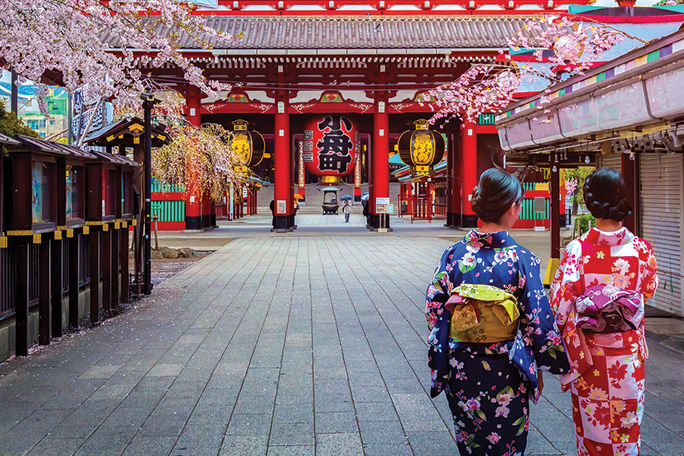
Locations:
(495, 240)
(609, 238)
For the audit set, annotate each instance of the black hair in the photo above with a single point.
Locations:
(495, 194)
(605, 195)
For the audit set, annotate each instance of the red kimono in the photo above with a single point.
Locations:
(607, 370)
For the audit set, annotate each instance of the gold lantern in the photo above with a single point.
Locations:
(421, 148)
(247, 145)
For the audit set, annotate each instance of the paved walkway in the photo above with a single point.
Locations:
(277, 345)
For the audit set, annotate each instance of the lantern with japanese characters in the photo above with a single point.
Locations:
(421, 148)
(247, 145)
(330, 144)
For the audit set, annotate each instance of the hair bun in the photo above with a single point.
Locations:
(604, 195)
(496, 191)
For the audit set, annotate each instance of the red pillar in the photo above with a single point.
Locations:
(380, 162)
(453, 186)
(193, 208)
(468, 173)
(283, 167)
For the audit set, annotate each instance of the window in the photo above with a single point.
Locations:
(73, 179)
(40, 189)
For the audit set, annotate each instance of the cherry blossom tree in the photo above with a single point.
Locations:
(70, 41)
(562, 44)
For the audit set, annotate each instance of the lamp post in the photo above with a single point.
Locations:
(148, 102)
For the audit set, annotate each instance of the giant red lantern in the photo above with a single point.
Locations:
(330, 144)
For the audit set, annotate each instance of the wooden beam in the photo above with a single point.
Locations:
(21, 255)
(44, 264)
(74, 265)
(106, 245)
(114, 269)
(123, 260)
(57, 275)
(94, 254)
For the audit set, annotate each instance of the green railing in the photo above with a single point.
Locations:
(163, 187)
(486, 119)
(527, 212)
(169, 211)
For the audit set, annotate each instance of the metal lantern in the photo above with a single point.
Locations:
(421, 148)
(248, 145)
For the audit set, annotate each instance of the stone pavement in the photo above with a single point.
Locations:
(277, 345)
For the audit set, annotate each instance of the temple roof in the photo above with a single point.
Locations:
(349, 33)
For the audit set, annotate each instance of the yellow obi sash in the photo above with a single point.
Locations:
(483, 314)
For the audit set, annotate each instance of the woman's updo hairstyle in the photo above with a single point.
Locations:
(604, 195)
(495, 194)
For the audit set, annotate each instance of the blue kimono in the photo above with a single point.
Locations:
(488, 385)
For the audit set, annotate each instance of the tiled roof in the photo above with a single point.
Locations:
(354, 32)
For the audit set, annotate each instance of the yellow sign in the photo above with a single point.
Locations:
(70, 233)
(3, 242)
(58, 235)
(37, 239)
(86, 230)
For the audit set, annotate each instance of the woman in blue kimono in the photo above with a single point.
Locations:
(492, 330)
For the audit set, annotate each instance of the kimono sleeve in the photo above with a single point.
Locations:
(567, 284)
(439, 289)
(649, 271)
(541, 330)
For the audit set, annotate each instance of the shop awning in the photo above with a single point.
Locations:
(640, 90)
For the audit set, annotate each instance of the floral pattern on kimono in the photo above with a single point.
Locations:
(489, 385)
(606, 379)
(496, 259)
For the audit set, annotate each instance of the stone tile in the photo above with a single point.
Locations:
(249, 424)
(336, 444)
(336, 422)
(163, 425)
(292, 434)
(291, 450)
(165, 370)
(395, 449)
(244, 445)
(143, 445)
(56, 445)
(382, 432)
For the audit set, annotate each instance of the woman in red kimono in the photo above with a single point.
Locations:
(598, 297)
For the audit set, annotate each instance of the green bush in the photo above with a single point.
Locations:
(583, 223)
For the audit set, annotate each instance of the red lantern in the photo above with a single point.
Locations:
(330, 144)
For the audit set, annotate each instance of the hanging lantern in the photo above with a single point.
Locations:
(421, 148)
(330, 144)
(247, 145)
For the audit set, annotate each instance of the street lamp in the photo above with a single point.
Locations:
(148, 101)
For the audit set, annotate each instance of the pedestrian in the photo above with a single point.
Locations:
(598, 296)
(272, 207)
(366, 212)
(346, 208)
(492, 329)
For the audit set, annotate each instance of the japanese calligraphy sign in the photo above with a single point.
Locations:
(330, 144)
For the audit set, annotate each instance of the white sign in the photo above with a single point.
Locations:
(390, 208)
(281, 207)
(381, 205)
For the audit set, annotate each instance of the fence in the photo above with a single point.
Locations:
(168, 204)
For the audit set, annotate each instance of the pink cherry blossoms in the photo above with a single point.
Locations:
(575, 46)
(66, 40)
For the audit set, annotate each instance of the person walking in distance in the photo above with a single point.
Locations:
(347, 211)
